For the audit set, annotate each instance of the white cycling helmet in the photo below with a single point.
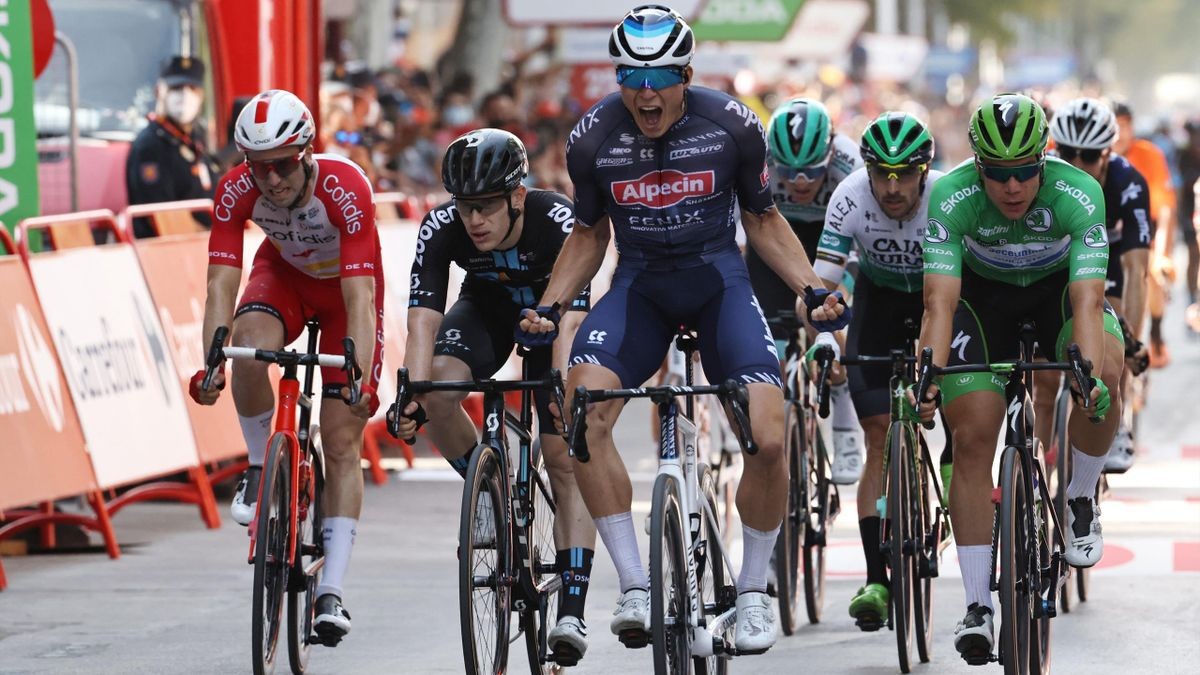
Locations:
(1084, 123)
(651, 35)
(274, 119)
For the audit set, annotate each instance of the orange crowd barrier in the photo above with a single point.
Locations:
(119, 369)
(43, 453)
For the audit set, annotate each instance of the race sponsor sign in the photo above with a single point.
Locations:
(118, 364)
(18, 136)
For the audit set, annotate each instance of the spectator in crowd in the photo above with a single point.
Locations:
(168, 160)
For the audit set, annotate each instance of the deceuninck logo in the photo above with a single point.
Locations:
(39, 366)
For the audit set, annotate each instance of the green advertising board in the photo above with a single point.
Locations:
(746, 20)
(18, 137)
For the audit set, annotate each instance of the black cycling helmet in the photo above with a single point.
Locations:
(484, 162)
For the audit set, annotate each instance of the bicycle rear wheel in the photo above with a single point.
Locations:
(821, 495)
(540, 611)
(310, 548)
(484, 594)
(795, 521)
(898, 542)
(270, 556)
(712, 578)
(669, 630)
(1012, 557)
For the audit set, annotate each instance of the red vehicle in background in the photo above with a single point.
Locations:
(121, 46)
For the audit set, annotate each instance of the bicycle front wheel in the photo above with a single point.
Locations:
(541, 609)
(795, 520)
(1062, 476)
(1012, 557)
(898, 541)
(484, 592)
(270, 556)
(712, 577)
(818, 512)
(925, 552)
(310, 548)
(669, 601)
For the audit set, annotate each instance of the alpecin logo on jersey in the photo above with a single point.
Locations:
(662, 189)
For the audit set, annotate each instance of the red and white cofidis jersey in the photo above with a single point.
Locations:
(332, 235)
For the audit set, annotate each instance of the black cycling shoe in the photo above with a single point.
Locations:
(973, 637)
(332, 622)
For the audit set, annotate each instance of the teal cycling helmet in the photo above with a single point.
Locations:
(896, 138)
(800, 133)
(1009, 126)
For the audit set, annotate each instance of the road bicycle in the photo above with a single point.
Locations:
(813, 499)
(1027, 535)
(506, 550)
(692, 596)
(286, 545)
(914, 527)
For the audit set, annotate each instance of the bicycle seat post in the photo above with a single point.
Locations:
(685, 341)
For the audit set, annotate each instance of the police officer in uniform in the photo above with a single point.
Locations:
(168, 160)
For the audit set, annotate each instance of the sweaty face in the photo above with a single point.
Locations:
(897, 189)
(279, 172)
(654, 110)
(487, 221)
(1011, 184)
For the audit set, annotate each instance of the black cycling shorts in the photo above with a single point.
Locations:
(876, 328)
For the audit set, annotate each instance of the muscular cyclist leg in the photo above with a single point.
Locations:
(603, 480)
(1045, 391)
(974, 419)
(573, 527)
(870, 486)
(249, 382)
(762, 494)
(450, 428)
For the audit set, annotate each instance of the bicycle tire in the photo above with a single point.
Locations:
(302, 602)
(670, 634)
(485, 648)
(1015, 609)
(898, 543)
(539, 538)
(820, 491)
(1039, 628)
(925, 548)
(270, 556)
(791, 534)
(711, 575)
(1062, 471)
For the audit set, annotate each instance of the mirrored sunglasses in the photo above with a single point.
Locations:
(1002, 174)
(659, 77)
(1086, 155)
(283, 167)
(808, 174)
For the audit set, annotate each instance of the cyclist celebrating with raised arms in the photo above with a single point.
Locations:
(881, 211)
(320, 258)
(808, 161)
(662, 163)
(1014, 235)
(1084, 131)
(507, 238)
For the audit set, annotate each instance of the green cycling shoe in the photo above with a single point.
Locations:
(869, 608)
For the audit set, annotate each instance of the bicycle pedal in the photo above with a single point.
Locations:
(869, 623)
(634, 638)
(324, 640)
(980, 658)
(565, 656)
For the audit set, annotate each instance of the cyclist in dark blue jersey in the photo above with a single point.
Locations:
(664, 165)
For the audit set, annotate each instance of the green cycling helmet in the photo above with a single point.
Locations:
(896, 138)
(800, 133)
(1009, 126)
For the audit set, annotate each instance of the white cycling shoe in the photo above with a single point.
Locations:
(755, 632)
(568, 640)
(1120, 453)
(245, 500)
(847, 456)
(1086, 545)
(631, 618)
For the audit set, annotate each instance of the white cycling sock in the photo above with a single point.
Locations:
(256, 430)
(844, 418)
(975, 563)
(1085, 473)
(756, 557)
(619, 537)
(338, 533)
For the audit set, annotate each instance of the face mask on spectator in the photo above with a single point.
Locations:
(458, 115)
(183, 104)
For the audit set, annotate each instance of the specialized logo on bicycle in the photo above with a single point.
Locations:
(1096, 236)
(1039, 219)
(662, 189)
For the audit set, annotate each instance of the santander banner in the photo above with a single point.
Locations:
(42, 456)
(118, 365)
(662, 189)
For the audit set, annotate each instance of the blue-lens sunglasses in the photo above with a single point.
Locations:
(658, 77)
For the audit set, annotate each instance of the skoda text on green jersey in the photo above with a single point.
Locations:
(1064, 227)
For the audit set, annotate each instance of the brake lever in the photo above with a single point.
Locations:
(577, 434)
(396, 410)
(739, 405)
(353, 371)
(925, 373)
(216, 356)
(1081, 372)
(824, 365)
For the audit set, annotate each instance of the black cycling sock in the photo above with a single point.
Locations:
(868, 529)
(575, 565)
(1156, 329)
(460, 464)
(947, 456)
